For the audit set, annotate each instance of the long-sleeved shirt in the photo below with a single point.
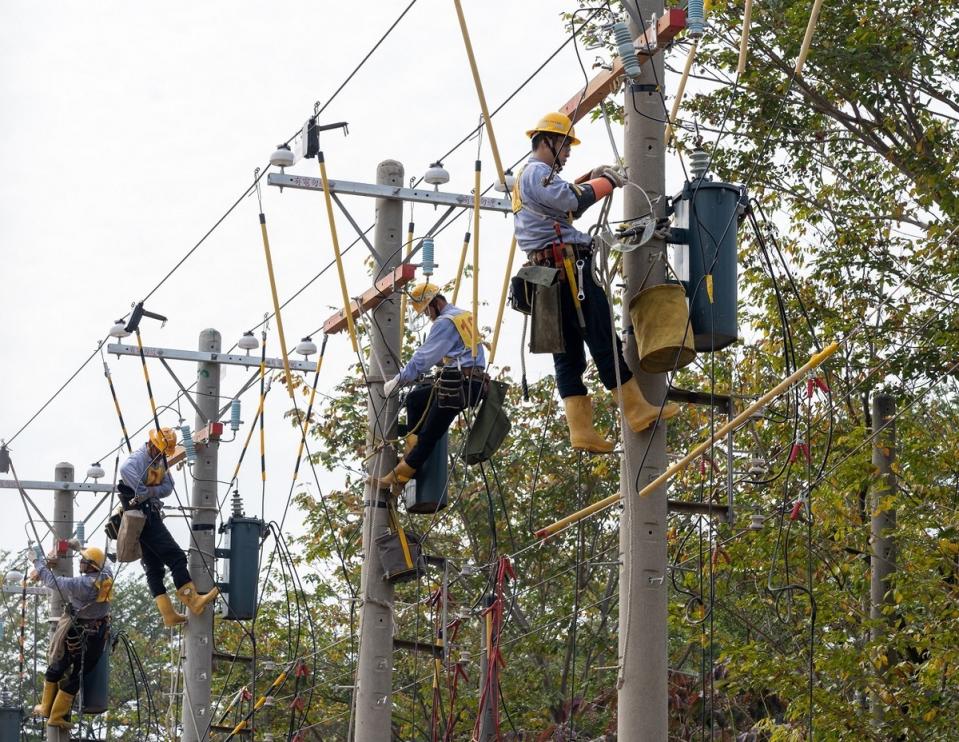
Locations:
(82, 591)
(544, 206)
(146, 476)
(444, 341)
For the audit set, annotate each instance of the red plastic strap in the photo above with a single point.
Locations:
(302, 670)
(816, 382)
(247, 695)
(797, 509)
(797, 448)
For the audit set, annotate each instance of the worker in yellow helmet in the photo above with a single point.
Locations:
(433, 404)
(544, 207)
(144, 481)
(82, 633)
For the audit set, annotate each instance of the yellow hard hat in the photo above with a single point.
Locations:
(164, 440)
(422, 294)
(94, 555)
(555, 123)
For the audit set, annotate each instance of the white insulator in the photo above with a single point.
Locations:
(248, 341)
(437, 174)
(698, 163)
(119, 330)
(282, 156)
(13, 577)
(756, 521)
(95, 471)
(306, 347)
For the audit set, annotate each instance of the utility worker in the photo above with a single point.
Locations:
(431, 406)
(544, 207)
(83, 633)
(145, 480)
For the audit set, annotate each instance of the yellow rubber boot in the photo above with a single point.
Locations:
(640, 414)
(193, 600)
(579, 420)
(42, 709)
(170, 617)
(400, 475)
(58, 712)
(411, 439)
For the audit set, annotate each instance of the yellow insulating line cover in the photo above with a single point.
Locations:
(502, 302)
(347, 309)
(306, 419)
(406, 254)
(681, 89)
(276, 305)
(807, 39)
(744, 39)
(476, 235)
(479, 91)
(146, 377)
(460, 268)
(742, 417)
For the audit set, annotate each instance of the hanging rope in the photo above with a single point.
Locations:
(474, 339)
(276, 299)
(681, 89)
(347, 308)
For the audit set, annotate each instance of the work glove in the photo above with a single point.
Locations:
(662, 228)
(390, 386)
(38, 551)
(75, 544)
(610, 173)
(52, 558)
(33, 576)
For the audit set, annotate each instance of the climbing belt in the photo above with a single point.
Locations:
(493, 617)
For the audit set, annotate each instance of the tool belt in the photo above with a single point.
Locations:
(450, 384)
(547, 256)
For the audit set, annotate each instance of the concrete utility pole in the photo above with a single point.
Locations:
(883, 559)
(198, 631)
(374, 678)
(642, 699)
(63, 527)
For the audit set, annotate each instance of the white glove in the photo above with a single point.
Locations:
(390, 386)
(610, 173)
(75, 544)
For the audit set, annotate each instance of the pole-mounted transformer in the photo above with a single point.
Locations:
(706, 217)
(242, 570)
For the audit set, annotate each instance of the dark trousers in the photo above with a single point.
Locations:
(598, 336)
(159, 550)
(82, 650)
(429, 421)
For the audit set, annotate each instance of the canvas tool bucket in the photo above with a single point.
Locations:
(664, 340)
(128, 540)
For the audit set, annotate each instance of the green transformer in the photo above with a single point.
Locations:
(707, 217)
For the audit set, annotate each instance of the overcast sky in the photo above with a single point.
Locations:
(127, 129)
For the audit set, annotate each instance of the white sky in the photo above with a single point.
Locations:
(127, 129)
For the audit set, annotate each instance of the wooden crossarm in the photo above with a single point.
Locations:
(667, 28)
(373, 297)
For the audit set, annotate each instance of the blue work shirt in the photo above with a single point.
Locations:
(146, 476)
(444, 341)
(81, 591)
(544, 206)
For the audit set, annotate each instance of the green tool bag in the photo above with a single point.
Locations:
(490, 427)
